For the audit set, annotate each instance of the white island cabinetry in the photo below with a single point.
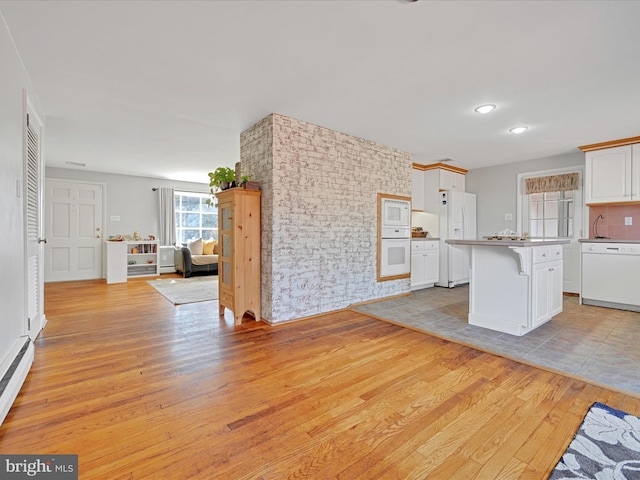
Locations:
(515, 286)
(547, 283)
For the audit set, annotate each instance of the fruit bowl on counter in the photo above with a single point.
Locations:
(417, 232)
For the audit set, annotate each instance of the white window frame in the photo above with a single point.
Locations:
(179, 227)
(579, 208)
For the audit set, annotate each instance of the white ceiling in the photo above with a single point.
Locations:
(163, 89)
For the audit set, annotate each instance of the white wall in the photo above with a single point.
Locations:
(129, 197)
(13, 81)
(319, 214)
(496, 189)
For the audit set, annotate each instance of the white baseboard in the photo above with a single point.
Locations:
(14, 372)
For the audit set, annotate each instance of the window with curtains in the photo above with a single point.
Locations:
(551, 211)
(194, 218)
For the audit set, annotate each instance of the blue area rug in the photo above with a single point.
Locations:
(606, 446)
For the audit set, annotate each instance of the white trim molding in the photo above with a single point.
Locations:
(582, 212)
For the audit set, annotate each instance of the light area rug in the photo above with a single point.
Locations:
(606, 446)
(187, 290)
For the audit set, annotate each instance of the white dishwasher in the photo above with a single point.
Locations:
(611, 275)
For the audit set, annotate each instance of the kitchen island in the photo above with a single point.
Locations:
(514, 285)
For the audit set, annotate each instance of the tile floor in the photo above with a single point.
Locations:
(593, 343)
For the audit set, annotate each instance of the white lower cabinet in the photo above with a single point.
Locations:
(425, 263)
(547, 291)
(557, 274)
(515, 289)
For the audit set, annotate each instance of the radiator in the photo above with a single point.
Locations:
(167, 263)
(14, 374)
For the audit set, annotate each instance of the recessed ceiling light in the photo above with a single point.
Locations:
(485, 108)
(518, 129)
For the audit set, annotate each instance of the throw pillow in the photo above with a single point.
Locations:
(195, 246)
(215, 247)
(208, 246)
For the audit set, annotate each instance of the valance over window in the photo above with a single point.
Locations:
(551, 183)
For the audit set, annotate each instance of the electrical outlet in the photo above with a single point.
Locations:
(628, 220)
(114, 218)
(508, 216)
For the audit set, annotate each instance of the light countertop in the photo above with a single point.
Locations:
(423, 239)
(510, 243)
(606, 240)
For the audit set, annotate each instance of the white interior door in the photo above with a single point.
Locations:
(33, 167)
(74, 226)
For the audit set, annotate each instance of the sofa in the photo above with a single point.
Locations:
(197, 257)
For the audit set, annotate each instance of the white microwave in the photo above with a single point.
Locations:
(396, 213)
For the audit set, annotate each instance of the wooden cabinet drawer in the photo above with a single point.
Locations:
(226, 297)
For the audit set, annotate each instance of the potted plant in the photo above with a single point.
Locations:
(221, 178)
(247, 184)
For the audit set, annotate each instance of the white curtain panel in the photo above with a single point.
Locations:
(167, 217)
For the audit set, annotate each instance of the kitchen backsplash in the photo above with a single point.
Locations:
(612, 223)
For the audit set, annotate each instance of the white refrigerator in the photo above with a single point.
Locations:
(457, 221)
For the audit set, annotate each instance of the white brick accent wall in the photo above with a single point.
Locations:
(319, 214)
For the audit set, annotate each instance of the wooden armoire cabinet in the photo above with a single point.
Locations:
(239, 252)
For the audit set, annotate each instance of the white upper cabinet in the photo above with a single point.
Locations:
(417, 195)
(439, 177)
(444, 178)
(612, 175)
(451, 180)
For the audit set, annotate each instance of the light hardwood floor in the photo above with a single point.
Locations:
(141, 389)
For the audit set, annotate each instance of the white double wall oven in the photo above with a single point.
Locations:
(394, 236)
